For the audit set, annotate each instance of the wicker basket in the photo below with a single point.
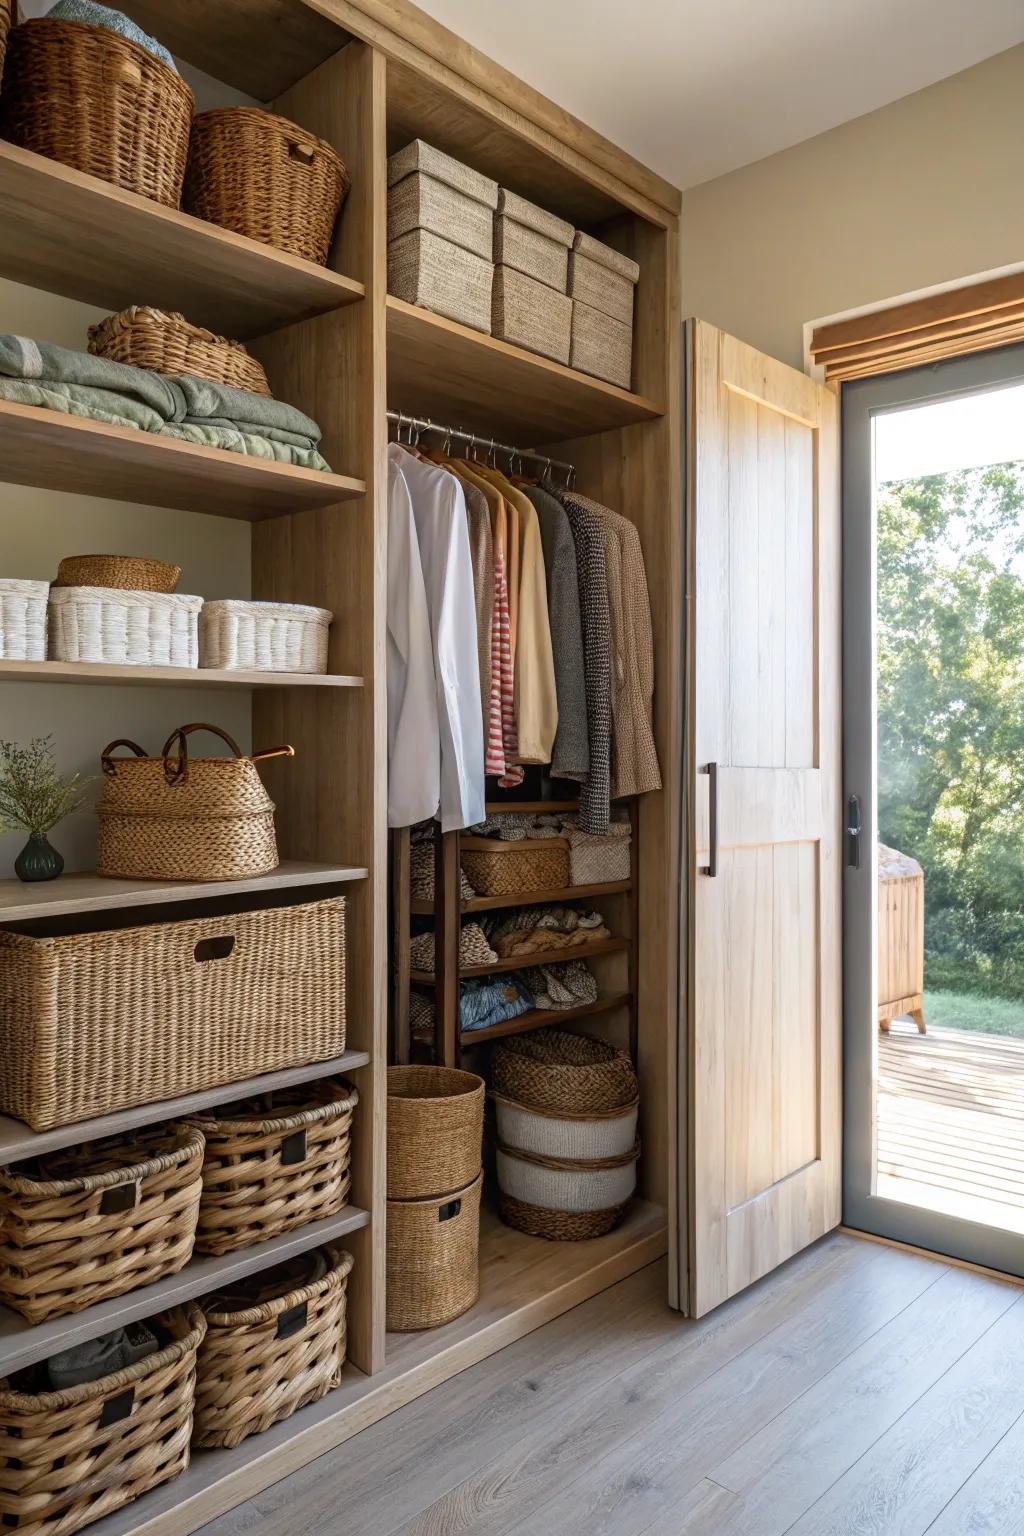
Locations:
(554, 1070)
(127, 573)
(496, 868)
(529, 314)
(137, 629)
(601, 346)
(95, 1022)
(68, 1458)
(23, 619)
(603, 278)
(273, 1163)
(274, 1343)
(265, 177)
(176, 817)
(559, 1226)
(599, 858)
(165, 342)
(427, 270)
(567, 1184)
(432, 1266)
(430, 190)
(265, 637)
(562, 1134)
(532, 240)
(435, 1130)
(99, 103)
(7, 21)
(80, 1226)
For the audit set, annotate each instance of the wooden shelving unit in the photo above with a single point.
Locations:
(111, 674)
(539, 1018)
(524, 962)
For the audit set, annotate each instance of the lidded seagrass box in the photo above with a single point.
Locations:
(440, 234)
(602, 285)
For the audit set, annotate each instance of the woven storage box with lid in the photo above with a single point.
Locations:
(563, 1134)
(532, 240)
(264, 176)
(600, 858)
(113, 624)
(127, 573)
(433, 1258)
(99, 103)
(556, 1070)
(23, 619)
(80, 1226)
(430, 190)
(497, 868)
(435, 1130)
(165, 342)
(274, 1342)
(95, 1022)
(274, 1162)
(424, 269)
(67, 1458)
(529, 314)
(601, 346)
(177, 817)
(602, 278)
(266, 637)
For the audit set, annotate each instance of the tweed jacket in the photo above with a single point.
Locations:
(592, 576)
(570, 758)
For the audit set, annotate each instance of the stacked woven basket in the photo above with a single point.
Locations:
(567, 1110)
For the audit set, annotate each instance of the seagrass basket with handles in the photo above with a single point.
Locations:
(176, 817)
(435, 1130)
(95, 1221)
(70, 1457)
(274, 1162)
(165, 342)
(274, 1342)
(433, 1258)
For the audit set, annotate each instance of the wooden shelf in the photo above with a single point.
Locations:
(561, 895)
(460, 377)
(180, 677)
(93, 893)
(22, 1344)
(523, 962)
(75, 235)
(537, 1018)
(18, 1141)
(68, 453)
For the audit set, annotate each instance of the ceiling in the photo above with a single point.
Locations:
(695, 88)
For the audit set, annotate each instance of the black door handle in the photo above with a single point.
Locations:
(854, 828)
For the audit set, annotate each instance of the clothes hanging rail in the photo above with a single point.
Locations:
(419, 424)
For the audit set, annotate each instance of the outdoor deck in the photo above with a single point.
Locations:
(951, 1123)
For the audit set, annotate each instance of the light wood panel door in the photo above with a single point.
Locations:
(763, 790)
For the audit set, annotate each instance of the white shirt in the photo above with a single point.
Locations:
(442, 528)
(414, 744)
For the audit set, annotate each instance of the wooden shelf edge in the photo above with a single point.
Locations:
(614, 946)
(97, 672)
(22, 1344)
(540, 1018)
(568, 893)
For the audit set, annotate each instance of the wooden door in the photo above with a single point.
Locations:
(763, 760)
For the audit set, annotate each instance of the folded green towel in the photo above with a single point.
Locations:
(46, 363)
(104, 405)
(241, 408)
(94, 15)
(235, 441)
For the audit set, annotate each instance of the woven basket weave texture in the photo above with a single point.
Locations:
(597, 858)
(264, 637)
(113, 624)
(6, 22)
(496, 868)
(128, 573)
(555, 1070)
(23, 607)
(424, 202)
(532, 240)
(609, 1133)
(559, 1226)
(565, 1184)
(601, 346)
(433, 1258)
(529, 314)
(424, 269)
(435, 1130)
(165, 342)
(603, 278)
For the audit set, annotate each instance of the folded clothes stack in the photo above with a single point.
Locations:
(191, 409)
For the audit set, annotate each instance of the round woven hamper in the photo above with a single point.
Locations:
(274, 1162)
(559, 1226)
(263, 176)
(564, 1199)
(80, 1226)
(68, 1458)
(126, 573)
(165, 342)
(435, 1130)
(585, 1137)
(274, 1342)
(553, 1069)
(99, 103)
(433, 1258)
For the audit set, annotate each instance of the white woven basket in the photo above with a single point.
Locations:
(572, 1186)
(599, 858)
(263, 637)
(585, 1138)
(23, 619)
(144, 629)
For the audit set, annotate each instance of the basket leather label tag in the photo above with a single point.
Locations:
(117, 1408)
(292, 1321)
(121, 1197)
(449, 1209)
(293, 1148)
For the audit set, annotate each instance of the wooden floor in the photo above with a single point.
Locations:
(951, 1123)
(860, 1390)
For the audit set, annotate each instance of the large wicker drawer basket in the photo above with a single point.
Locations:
(94, 1022)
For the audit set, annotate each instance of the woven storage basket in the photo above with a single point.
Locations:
(165, 342)
(95, 1022)
(433, 1263)
(559, 1226)
(496, 868)
(532, 240)
(435, 1130)
(266, 637)
(126, 573)
(561, 1134)
(68, 1458)
(99, 103)
(111, 624)
(274, 1343)
(176, 817)
(598, 858)
(603, 278)
(529, 314)
(554, 1070)
(23, 619)
(601, 346)
(567, 1184)
(427, 270)
(274, 1162)
(265, 177)
(430, 190)
(79, 1226)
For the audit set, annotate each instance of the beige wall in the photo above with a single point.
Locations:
(925, 191)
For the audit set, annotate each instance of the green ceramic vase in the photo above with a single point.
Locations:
(38, 860)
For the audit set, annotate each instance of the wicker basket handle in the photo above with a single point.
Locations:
(108, 764)
(301, 153)
(176, 768)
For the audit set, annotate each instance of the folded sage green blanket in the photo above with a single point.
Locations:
(240, 408)
(104, 405)
(47, 364)
(255, 444)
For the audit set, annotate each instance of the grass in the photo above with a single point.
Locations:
(968, 1011)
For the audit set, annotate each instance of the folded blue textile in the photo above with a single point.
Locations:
(94, 15)
(492, 1001)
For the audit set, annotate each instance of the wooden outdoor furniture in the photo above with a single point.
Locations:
(900, 938)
